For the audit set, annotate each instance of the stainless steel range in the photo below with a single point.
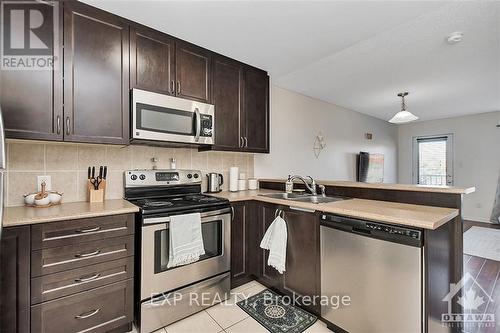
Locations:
(165, 295)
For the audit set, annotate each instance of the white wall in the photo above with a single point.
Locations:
(295, 121)
(476, 156)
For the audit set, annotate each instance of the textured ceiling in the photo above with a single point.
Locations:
(356, 54)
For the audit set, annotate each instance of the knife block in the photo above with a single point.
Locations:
(96, 195)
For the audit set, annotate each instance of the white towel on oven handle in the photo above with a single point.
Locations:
(275, 240)
(185, 240)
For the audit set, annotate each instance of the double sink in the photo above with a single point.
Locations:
(316, 199)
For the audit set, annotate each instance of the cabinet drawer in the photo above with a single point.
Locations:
(82, 230)
(95, 311)
(49, 287)
(58, 259)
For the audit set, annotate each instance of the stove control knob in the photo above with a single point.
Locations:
(133, 177)
(189, 176)
(142, 177)
(196, 176)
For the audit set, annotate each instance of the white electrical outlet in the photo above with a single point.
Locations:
(47, 180)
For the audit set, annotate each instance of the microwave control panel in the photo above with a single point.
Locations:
(206, 125)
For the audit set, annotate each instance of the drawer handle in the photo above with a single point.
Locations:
(83, 255)
(86, 279)
(83, 231)
(88, 314)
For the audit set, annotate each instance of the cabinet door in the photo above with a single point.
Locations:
(255, 125)
(270, 276)
(15, 280)
(302, 276)
(192, 72)
(96, 75)
(152, 60)
(31, 100)
(227, 88)
(238, 245)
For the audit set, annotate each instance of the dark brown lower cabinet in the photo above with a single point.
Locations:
(15, 280)
(96, 311)
(302, 275)
(244, 243)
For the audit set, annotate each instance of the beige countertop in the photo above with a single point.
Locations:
(389, 186)
(14, 216)
(425, 217)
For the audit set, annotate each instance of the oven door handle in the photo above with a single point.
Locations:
(198, 125)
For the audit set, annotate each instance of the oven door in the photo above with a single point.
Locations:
(165, 118)
(157, 278)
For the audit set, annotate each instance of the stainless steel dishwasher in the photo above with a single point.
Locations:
(379, 268)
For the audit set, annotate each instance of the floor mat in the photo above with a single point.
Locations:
(482, 242)
(277, 316)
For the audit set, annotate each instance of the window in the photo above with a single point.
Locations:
(433, 160)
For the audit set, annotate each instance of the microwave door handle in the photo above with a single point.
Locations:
(198, 125)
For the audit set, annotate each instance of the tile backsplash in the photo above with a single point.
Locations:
(67, 164)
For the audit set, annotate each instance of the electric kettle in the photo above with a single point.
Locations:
(215, 181)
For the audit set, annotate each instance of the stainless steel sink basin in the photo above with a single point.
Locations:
(303, 197)
(319, 199)
(286, 196)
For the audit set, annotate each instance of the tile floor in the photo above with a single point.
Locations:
(228, 317)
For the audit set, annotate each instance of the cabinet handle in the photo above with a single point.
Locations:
(172, 89)
(58, 124)
(67, 126)
(232, 213)
(83, 255)
(88, 314)
(83, 231)
(86, 279)
(277, 212)
(178, 87)
(241, 142)
(246, 142)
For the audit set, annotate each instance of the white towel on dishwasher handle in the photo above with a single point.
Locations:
(185, 240)
(275, 240)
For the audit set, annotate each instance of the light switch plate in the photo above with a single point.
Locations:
(48, 182)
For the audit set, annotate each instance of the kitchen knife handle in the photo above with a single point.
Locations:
(88, 173)
(105, 172)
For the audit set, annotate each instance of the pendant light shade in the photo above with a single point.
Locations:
(403, 116)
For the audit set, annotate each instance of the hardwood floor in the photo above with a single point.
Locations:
(487, 273)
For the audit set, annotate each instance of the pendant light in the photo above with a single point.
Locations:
(403, 116)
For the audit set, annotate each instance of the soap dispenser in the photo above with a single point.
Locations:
(289, 184)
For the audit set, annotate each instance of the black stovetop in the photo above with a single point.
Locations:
(171, 204)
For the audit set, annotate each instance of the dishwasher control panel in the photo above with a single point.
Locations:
(402, 235)
(393, 230)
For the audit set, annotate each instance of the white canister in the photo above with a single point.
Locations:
(252, 184)
(242, 184)
(233, 179)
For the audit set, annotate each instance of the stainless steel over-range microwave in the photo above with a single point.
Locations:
(166, 118)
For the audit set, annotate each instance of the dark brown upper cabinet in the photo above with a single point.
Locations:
(31, 100)
(241, 98)
(255, 122)
(96, 75)
(152, 60)
(192, 72)
(227, 97)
